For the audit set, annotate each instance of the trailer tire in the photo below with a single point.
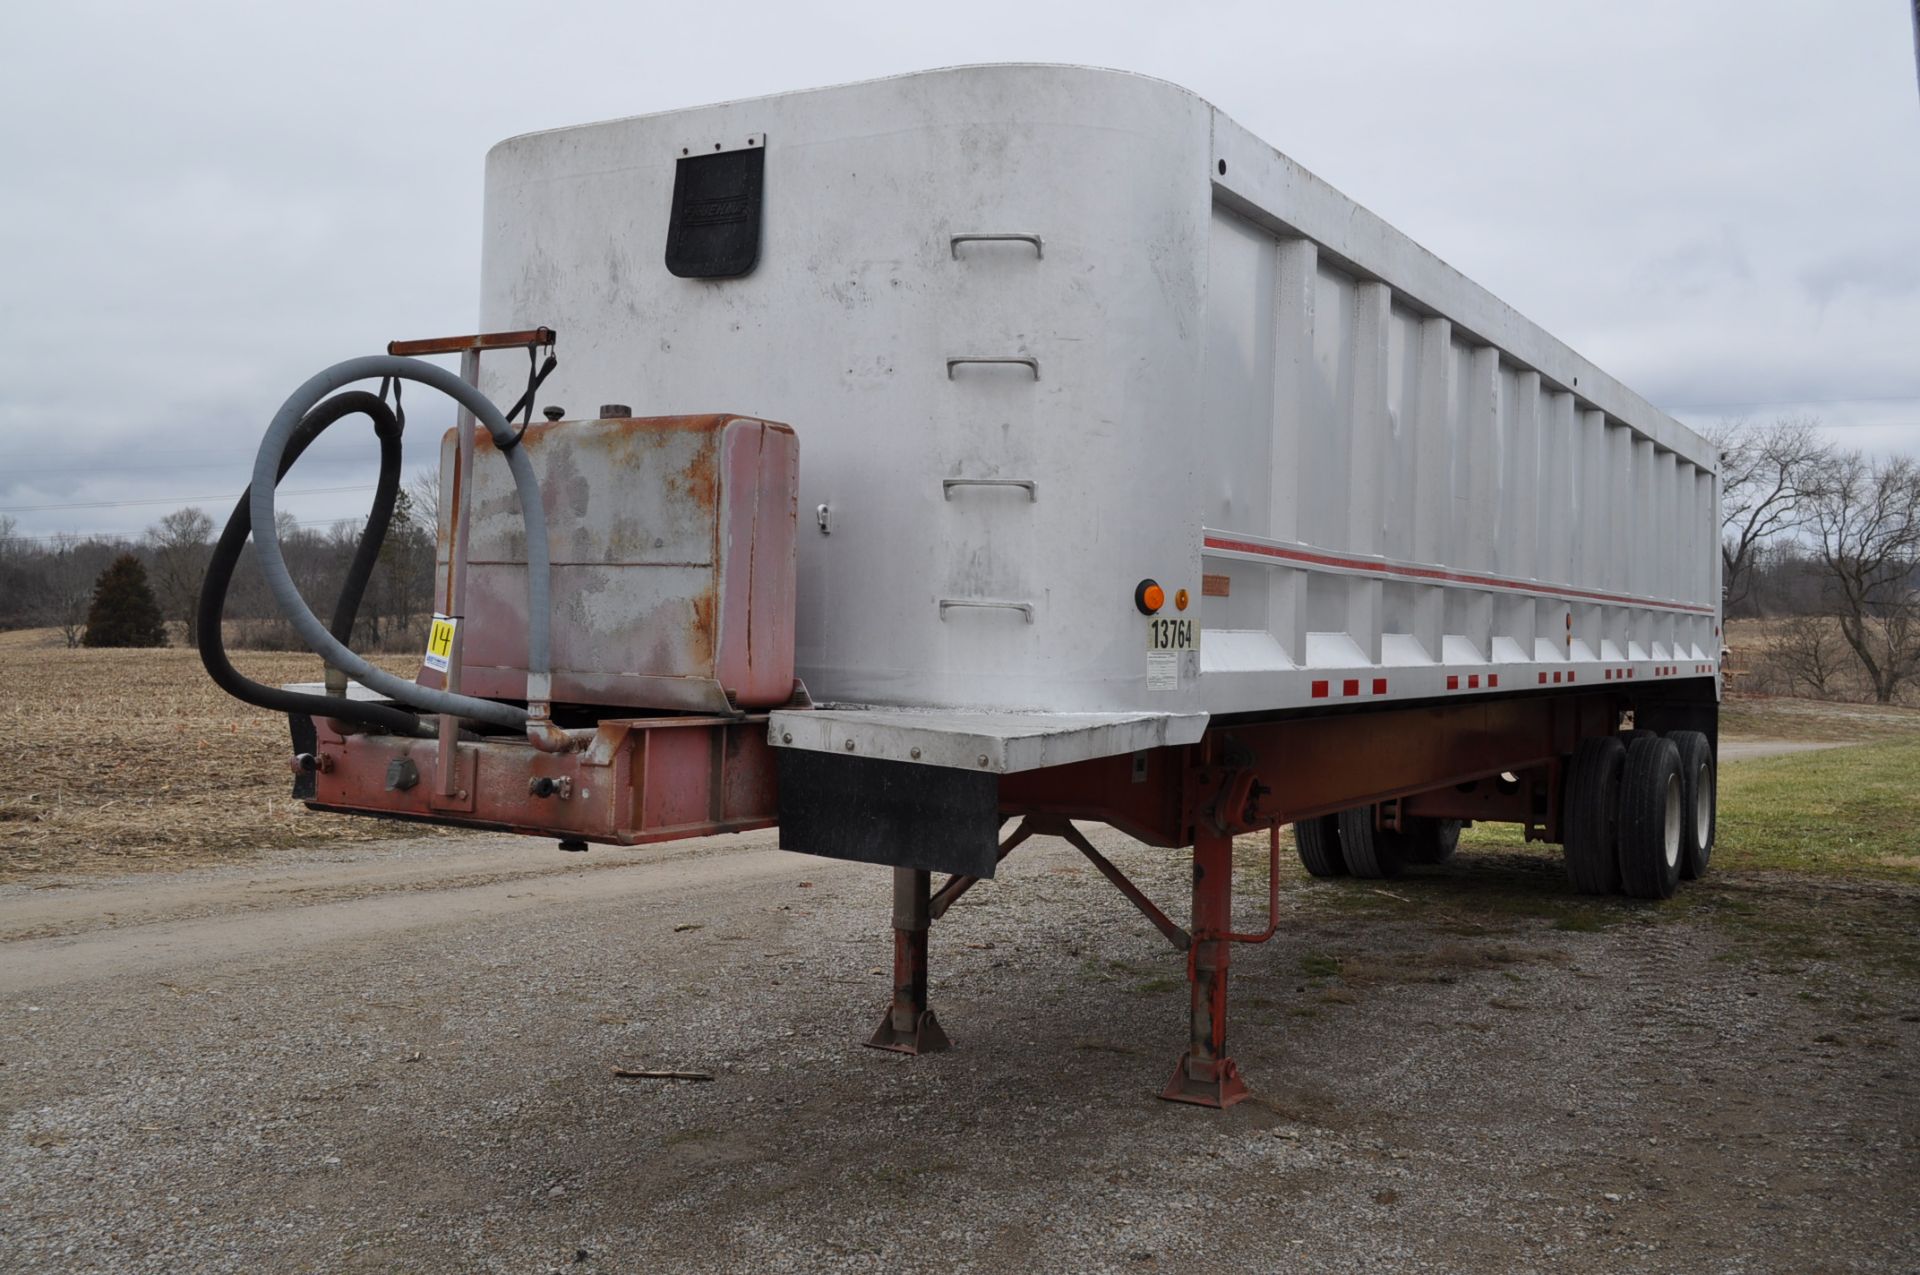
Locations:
(1699, 802)
(1430, 841)
(1652, 819)
(1369, 852)
(1318, 843)
(1590, 815)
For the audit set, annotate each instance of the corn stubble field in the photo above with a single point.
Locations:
(116, 760)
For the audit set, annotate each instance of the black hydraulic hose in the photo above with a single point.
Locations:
(226, 556)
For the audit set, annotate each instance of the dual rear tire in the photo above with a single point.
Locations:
(1639, 813)
(1349, 844)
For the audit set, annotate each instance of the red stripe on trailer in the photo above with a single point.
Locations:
(1319, 690)
(1379, 686)
(1493, 679)
(1543, 679)
(1473, 681)
(1453, 681)
(1556, 675)
(1435, 573)
(1570, 674)
(1350, 687)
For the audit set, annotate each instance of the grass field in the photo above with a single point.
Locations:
(1761, 664)
(125, 760)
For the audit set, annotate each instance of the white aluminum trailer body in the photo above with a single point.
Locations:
(1373, 480)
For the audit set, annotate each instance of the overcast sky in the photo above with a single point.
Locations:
(201, 204)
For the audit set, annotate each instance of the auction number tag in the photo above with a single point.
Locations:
(1169, 643)
(1170, 635)
(440, 643)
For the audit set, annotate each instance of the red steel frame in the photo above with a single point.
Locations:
(1489, 759)
(633, 781)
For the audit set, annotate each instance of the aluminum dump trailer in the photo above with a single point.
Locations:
(1142, 477)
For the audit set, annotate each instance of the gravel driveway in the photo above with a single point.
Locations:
(399, 1057)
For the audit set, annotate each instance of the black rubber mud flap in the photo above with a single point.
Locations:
(713, 231)
(889, 812)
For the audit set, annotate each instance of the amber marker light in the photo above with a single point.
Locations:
(1149, 597)
(1180, 600)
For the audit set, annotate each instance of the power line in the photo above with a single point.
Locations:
(1830, 401)
(230, 463)
(171, 500)
(82, 537)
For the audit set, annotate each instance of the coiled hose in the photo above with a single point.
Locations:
(233, 539)
(260, 500)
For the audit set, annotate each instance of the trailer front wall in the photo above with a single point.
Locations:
(914, 592)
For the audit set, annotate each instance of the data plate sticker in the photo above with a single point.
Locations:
(1163, 670)
(440, 643)
(1172, 635)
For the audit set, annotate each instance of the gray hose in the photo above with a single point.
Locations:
(274, 567)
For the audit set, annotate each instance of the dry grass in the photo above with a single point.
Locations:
(1759, 666)
(114, 761)
(1788, 717)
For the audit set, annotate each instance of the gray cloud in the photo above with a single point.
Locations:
(205, 202)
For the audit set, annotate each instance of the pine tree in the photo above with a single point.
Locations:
(124, 612)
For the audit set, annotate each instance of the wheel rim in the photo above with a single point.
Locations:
(1672, 839)
(1702, 806)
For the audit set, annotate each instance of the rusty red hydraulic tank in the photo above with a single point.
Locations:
(673, 563)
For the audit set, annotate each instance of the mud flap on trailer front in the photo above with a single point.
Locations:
(306, 741)
(889, 812)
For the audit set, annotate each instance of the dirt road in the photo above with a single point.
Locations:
(397, 1057)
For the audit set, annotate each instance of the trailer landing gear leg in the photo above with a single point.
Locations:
(1205, 1076)
(909, 1026)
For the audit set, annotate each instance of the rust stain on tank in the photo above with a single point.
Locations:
(699, 479)
(701, 639)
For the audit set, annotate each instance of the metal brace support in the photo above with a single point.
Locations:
(955, 886)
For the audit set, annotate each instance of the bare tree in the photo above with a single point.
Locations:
(19, 574)
(69, 589)
(181, 543)
(423, 489)
(1811, 653)
(1865, 523)
(1769, 474)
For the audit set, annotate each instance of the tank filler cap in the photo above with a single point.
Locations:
(553, 412)
(614, 411)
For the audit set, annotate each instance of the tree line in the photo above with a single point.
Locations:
(56, 582)
(1826, 540)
